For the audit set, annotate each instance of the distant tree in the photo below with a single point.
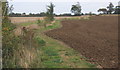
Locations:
(42, 14)
(24, 13)
(110, 8)
(117, 10)
(30, 14)
(12, 14)
(76, 9)
(82, 13)
(50, 12)
(66, 14)
(18, 14)
(90, 13)
(104, 10)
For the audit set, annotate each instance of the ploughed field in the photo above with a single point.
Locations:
(96, 38)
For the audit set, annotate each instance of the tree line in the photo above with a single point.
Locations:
(75, 9)
(110, 9)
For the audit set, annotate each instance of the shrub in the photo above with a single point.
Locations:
(9, 41)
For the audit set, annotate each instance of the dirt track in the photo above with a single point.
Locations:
(96, 39)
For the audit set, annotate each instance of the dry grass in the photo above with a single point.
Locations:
(32, 19)
(24, 19)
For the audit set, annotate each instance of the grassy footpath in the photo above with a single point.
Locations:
(55, 54)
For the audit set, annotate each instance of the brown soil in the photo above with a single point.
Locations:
(96, 39)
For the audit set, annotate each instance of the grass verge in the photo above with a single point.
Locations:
(51, 53)
(56, 54)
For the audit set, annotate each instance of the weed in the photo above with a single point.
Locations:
(40, 41)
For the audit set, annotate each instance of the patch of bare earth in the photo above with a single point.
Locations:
(96, 39)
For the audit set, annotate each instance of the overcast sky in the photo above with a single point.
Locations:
(61, 6)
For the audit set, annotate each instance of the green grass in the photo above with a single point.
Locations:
(55, 25)
(40, 41)
(52, 56)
